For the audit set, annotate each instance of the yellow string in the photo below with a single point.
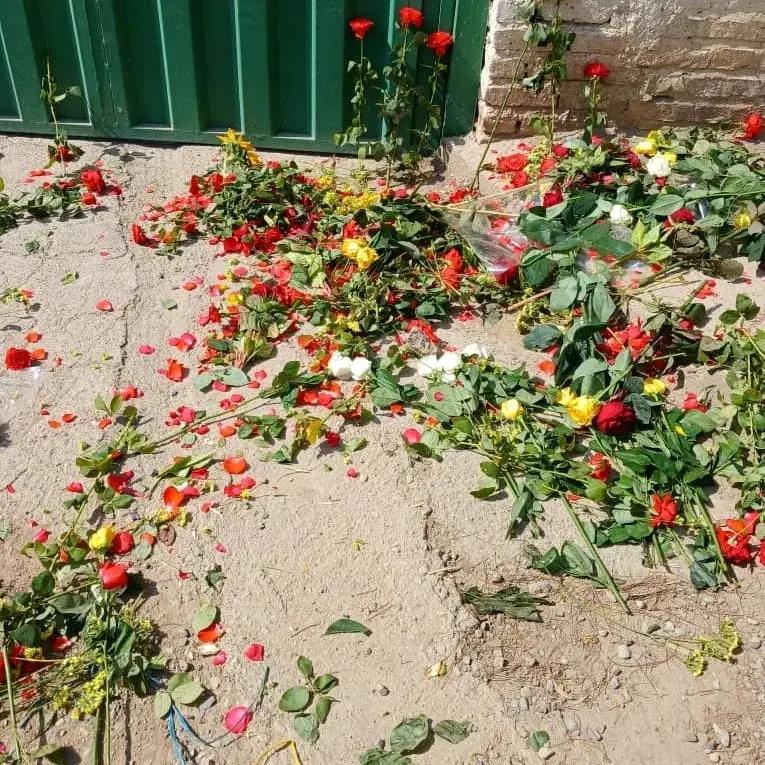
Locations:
(271, 751)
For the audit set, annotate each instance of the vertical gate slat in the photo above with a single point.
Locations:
(25, 71)
(330, 66)
(253, 19)
(180, 52)
(467, 59)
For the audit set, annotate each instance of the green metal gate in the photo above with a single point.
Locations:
(183, 70)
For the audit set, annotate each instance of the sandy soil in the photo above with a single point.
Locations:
(294, 562)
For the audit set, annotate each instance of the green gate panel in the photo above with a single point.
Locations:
(185, 70)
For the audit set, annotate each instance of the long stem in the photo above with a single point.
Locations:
(505, 101)
(12, 704)
(608, 580)
(108, 721)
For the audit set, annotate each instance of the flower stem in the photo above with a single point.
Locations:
(476, 178)
(608, 580)
(12, 704)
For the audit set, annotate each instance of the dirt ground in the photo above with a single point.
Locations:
(390, 549)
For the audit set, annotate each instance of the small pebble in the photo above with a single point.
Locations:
(650, 626)
(639, 605)
(545, 753)
(754, 642)
(691, 737)
(714, 757)
(615, 683)
(623, 652)
(523, 704)
(721, 735)
(381, 690)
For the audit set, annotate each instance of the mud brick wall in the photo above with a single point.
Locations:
(671, 61)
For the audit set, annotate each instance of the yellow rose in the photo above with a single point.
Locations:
(656, 136)
(647, 146)
(566, 397)
(582, 410)
(742, 220)
(671, 157)
(365, 257)
(511, 409)
(350, 248)
(653, 386)
(101, 539)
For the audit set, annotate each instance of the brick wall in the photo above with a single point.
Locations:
(671, 61)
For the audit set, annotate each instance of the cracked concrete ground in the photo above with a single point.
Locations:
(391, 549)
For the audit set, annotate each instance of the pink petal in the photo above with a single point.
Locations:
(220, 659)
(146, 349)
(237, 719)
(255, 652)
(104, 305)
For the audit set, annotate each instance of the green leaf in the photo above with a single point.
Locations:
(342, 626)
(377, 756)
(538, 739)
(321, 711)
(542, 337)
(665, 204)
(187, 693)
(204, 617)
(295, 699)
(410, 734)
(214, 576)
(588, 368)
(27, 635)
(43, 584)
(325, 683)
(70, 277)
(307, 727)
(564, 293)
(234, 377)
(162, 703)
(452, 730)
(52, 753)
(306, 667)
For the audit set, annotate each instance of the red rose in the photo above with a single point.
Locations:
(752, 126)
(113, 576)
(511, 163)
(139, 235)
(683, 215)
(439, 43)
(597, 70)
(559, 150)
(410, 17)
(601, 467)
(93, 181)
(663, 510)
(615, 418)
(553, 197)
(17, 359)
(122, 543)
(734, 547)
(360, 27)
(520, 179)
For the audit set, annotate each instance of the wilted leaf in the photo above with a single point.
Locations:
(409, 734)
(453, 731)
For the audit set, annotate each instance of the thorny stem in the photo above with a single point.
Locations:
(608, 580)
(11, 704)
(476, 178)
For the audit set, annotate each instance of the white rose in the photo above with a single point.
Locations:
(360, 367)
(658, 166)
(340, 366)
(449, 361)
(427, 365)
(475, 350)
(620, 216)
